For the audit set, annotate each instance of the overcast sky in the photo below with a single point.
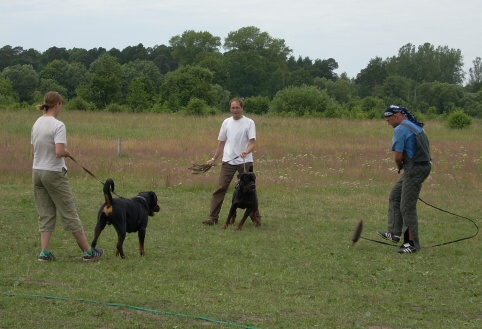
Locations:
(350, 31)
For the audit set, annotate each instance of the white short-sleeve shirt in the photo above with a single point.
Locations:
(236, 134)
(46, 132)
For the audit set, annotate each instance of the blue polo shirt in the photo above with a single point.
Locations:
(404, 140)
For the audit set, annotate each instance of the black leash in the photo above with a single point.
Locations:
(451, 213)
(440, 244)
(92, 175)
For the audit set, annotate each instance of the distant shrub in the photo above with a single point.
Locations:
(78, 103)
(458, 120)
(256, 105)
(160, 108)
(210, 110)
(116, 108)
(300, 101)
(196, 106)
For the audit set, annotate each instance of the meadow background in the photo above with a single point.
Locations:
(316, 178)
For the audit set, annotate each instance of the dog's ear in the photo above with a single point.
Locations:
(239, 176)
(153, 196)
(153, 207)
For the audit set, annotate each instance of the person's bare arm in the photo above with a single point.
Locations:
(398, 156)
(218, 152)
(250, 148)
(61, 151)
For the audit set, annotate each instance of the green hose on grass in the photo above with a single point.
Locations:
(137, 308)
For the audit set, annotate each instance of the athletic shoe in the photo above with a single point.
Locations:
(96, 254)
(46, 257)
(389, 236)
(210, 221)
(406, 248)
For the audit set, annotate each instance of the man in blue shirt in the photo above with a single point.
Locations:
(412, 155)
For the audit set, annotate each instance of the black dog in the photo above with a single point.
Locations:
(126, 215)
(244, 197)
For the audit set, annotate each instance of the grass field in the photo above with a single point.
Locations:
(316, 178)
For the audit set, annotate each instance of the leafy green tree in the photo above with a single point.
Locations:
(30, 57)
(55, 70)
(395, 90)
(342, 90)
(162, 58)
(114, 52)
(68, 75)
(369, 104)
(140, 68)
(443, 96)
(47, 85)
(133, 53)
(246, 72)
(94, 54)
(190, 45)
(324, 69)
(222, 98)
(80, 55)
(105, 82)
(317, 69)
(24, 80)
(216, 63)
(428, 63)
(255, 62)
(371, 76)
(299, 77)
(75, 74)
(140, 96)
(472, 104)
(304, 63)
(185, 83)
(8, 56)
(7, 93)
(475, 76)
(292, 64)
(54, 53)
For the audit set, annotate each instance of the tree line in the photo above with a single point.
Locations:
(197, 73)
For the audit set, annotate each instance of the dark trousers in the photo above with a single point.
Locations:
(402, 206)
(225, 177)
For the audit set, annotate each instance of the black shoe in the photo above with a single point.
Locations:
(210, 221)
(389, 236)
(406, 248)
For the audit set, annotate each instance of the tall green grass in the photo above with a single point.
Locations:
(315, 179)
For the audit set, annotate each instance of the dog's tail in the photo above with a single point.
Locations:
(108, 187)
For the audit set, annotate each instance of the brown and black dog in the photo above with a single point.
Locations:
(126, 215)
(244, 197)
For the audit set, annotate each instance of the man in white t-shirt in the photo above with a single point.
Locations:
(236, 142)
